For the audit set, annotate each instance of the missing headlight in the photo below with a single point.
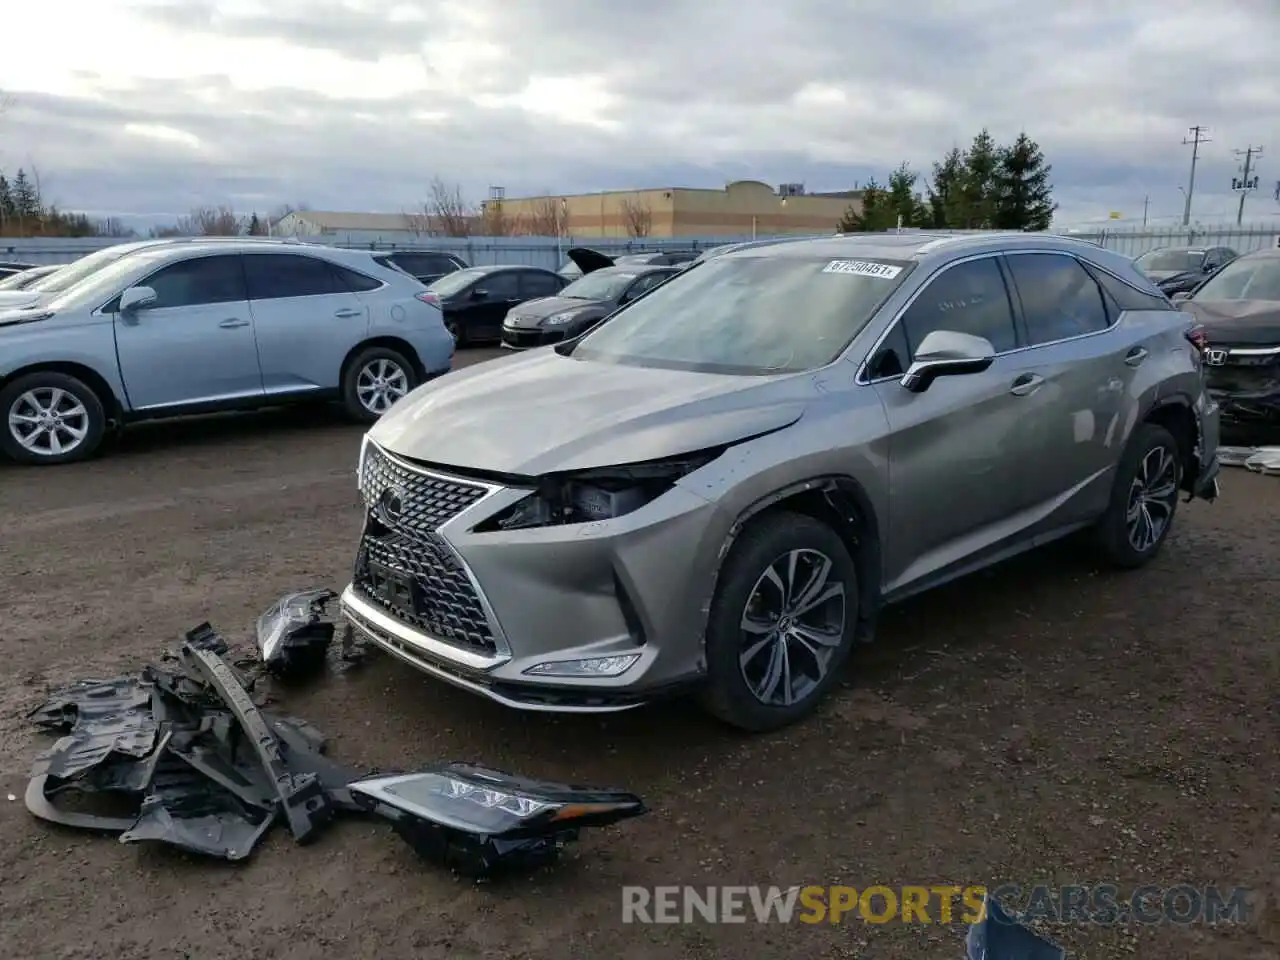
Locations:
(602, 493)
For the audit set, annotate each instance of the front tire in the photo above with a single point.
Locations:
(782, 623)
(375, 379)
(50, 418)
(1143, 500)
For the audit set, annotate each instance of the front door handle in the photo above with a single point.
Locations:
(348, 313)
(1136, 356)
(1026, 384)
(232, 322)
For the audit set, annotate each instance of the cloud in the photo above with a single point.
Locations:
(357, 105)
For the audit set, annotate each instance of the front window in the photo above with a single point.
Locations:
(598, 285)
(455, 282)
(1171, 260)
(1246, 279)
(752, 316)
(74, 272)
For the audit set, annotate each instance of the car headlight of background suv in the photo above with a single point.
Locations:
(558, 319)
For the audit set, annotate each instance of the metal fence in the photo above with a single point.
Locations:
(549, 251)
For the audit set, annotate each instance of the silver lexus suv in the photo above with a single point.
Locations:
(720, 486)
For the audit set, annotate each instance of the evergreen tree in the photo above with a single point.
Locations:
(977, 194)
(1024, 195)
(6, 200)
(903, 202)
(255, 227)
(26, 202)
(944, 191)
(876, 214)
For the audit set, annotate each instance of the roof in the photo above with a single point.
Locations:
(914, 245)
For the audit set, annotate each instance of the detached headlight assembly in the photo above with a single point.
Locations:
(603, 493)
(559, 319)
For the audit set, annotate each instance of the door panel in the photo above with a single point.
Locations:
(306, 318)
(195, 344)
(483, 318)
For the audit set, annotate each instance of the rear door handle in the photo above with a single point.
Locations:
(1136, 356)
(232, 322)
(1026, 384)
(348, 313)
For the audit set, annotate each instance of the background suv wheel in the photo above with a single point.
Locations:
(374, 380)
(50, 418)
(782, 622)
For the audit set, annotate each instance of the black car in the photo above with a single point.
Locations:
(579, 306)
(425, 266)
(1239, 310)
(1182, 269)
(475, 300)
(578, 256)
(9, 267)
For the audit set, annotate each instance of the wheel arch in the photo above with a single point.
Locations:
(1175, 414)
(391, 343)
(90, 377)
(842, 503)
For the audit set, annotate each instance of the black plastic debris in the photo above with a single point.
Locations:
(1000, 936)
(479, 821)
(295, 632)
(181, 755)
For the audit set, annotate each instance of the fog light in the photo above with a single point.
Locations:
(591, 667)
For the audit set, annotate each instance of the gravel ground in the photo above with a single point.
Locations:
(1046, 722)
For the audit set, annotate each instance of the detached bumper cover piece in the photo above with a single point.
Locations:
(1258, 459)
(998, 936)
(206, 771)
(294, 634)
(479, 821)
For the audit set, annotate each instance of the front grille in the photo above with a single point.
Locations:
(406, 508)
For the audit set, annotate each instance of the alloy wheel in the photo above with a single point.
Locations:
(380, 384)
(1152, 498)
(792, 626)
(48, 421)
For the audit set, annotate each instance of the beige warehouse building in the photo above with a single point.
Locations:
(742, 208)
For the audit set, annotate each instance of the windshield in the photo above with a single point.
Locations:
(17, 281)
(1244, 279)
(106, 281)
(73, 273)
(598, 285)
(748, 315)
(452, 283)
(1171, 260)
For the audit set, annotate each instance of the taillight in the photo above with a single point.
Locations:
(1198, 339)
(430, 298)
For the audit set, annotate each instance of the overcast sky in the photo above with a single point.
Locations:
(150, 108)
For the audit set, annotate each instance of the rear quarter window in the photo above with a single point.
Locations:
(1125, 296)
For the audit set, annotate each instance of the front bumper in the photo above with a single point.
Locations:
(522, 338)
(506, 602)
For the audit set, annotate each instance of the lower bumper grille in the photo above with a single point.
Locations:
(522, 339)
(419, 580)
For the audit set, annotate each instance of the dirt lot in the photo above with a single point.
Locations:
(1045, 722)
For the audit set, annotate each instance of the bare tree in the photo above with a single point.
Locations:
(447, 210)
(545, 219)
(112, 227)
(211, 222)
(421, 223)
(637, 216)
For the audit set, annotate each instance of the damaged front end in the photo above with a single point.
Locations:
(1245, 381)
(182, 755)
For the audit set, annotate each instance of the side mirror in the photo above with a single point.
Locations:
(479, 293)
(136, 298)
(946, 353)
(1180, 297)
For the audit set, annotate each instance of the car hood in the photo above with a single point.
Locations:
(531, 312)
(9, 299)
(540, 412)
(588, 260)
(1238, 322)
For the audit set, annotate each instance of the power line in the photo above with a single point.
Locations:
(1197, 138)
(1244, 183)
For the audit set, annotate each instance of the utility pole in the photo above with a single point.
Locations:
(1243, 183)
(1146, 203)
(1197, 138)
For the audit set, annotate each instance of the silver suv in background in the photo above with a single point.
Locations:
(185, 327)
(723, 484)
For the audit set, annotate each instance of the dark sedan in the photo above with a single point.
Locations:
(579, 306)
(1182, 269)
(474, 301)
(425, 266)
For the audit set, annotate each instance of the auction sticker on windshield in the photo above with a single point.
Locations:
(863, 268)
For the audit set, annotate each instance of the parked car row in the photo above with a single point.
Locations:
(1182, 269)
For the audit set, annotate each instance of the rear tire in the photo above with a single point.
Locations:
(782, 623)
(455, 330)
(49, 418)
(1144, 499)
(374, 380)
